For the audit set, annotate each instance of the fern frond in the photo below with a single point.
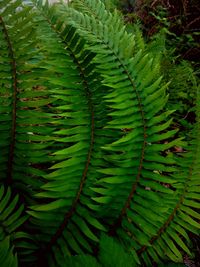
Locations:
(13, 221)
(98, 10)
(7, 258)
(132, 217)
(26, 96)
(134, 88)
(11, 216)
(149, 168)
(114, 256)
(75, 157)
(184, 217)
(36, 145)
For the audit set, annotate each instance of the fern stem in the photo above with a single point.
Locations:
(14, 110)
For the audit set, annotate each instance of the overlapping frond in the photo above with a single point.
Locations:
(85, 137)
(60, 115)
(12, 237)
(78, 151)
(127, 84)
(152, 169)
(26, 101)
(184, 216)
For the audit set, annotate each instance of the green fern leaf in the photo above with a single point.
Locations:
(6, 253)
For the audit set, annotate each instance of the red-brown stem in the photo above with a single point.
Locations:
(14, 110)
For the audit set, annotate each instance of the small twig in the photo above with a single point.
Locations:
(192, 22)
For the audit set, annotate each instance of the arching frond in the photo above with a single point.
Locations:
(26, 102)
(78, 153)
(184, 216)
(86, 141)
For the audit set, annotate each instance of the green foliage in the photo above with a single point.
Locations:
(181, 21)
(114, 256)
(172, 30)
(178, 66)
(85, 141)
(6, 253)
(111, 4)
(182, 77)
(180, 74)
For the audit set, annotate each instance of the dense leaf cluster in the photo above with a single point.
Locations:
(86, 170)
